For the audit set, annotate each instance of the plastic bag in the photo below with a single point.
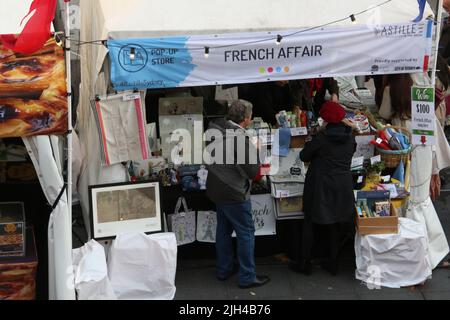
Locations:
(143, 267)
(91, 273)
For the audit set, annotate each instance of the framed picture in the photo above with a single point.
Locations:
(125, 207)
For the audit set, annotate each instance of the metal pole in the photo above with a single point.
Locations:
(69, 106)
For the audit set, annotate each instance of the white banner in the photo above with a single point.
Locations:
(257, 57)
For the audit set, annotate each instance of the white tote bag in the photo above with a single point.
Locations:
(206, 226)
(91, 273)
(182, 223)
(143, 267)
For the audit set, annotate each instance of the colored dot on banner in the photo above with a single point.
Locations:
(262, 70)
(270, 69)
(286, 69)
(278, 69)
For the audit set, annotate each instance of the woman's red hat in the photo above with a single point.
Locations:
(332, 112)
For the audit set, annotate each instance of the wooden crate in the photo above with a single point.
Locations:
(378, 225)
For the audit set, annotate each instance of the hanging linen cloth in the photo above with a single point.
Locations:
(426, 160)
(122, 128)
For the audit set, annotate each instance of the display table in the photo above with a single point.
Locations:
(18, 274)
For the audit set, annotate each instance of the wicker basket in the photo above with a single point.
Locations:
(392, 158)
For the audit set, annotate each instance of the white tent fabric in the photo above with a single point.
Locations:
(43, 151)
(10, 18)
(111, 19)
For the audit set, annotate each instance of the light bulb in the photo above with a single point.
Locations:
(279, 38)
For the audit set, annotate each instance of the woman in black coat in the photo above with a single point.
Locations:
(328, 197)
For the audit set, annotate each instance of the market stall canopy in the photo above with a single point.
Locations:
(198, 24)
(11, 14)
(148, 18)
(154, 46)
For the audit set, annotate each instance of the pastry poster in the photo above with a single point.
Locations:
(33, 92)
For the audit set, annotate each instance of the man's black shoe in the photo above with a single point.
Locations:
(260, 281)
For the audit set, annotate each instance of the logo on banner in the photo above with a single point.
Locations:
(133, 58)
(400, 31)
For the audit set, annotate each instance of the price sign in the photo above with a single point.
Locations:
(375, 159)
(131, 96)
(300, 131)
(282, 193)
(423, 117)
(357, 162)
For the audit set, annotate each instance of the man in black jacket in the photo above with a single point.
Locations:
(228, 185)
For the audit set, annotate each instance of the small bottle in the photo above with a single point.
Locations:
(304, 119)
(293, 120)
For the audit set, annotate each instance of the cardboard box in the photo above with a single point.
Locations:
(297, 142)
(12, 229)
(378, 225)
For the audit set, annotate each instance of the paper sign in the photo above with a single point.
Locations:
(357, 162)
(300, 131)
(282, 193)
(263, 213)
(423, 117)
(363, 147)
(375, 159)
(360, 179)
(189, 117)
(131, 96)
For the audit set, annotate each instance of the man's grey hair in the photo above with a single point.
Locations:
(239, 110)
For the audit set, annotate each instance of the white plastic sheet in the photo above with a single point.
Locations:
(91, 273)
(143, 267)
(394, 260)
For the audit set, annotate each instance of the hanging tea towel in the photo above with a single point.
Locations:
(122, 128)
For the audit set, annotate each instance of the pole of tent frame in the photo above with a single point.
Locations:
(69, 106)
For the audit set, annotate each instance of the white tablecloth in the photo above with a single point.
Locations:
(394, 260)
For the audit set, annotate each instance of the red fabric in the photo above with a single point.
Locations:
(37, 30)
(447, 103)
(264, 170)
(332, 112)
(439, 96)
(315, 85)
